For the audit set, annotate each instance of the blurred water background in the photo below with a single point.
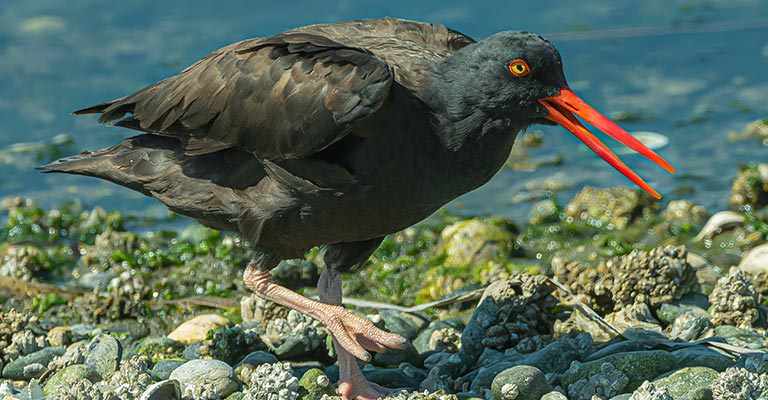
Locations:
(692, 71)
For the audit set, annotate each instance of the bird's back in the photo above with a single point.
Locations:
(410, 48)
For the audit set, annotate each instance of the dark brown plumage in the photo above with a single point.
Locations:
(333, 135)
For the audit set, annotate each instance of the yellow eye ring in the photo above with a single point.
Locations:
(519, 67)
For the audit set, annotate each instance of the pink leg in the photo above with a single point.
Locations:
(353, 334)
(352, 383)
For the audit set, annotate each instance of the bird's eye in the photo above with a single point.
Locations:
(519, 67)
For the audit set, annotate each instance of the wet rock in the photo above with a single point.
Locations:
(734, 301)
(608, 382)
(688, 383)
(701, 356)
(750, 188)
(738, 383)
(196, 329)
(611, 208)
(314, 384)
(474, 241)
(639, 366)
(69, 376)
(694, 304)
(273, 382)
(163, 390)
(96, 280)
(444, 375)
(554, 395)
(211, 375)
(520, 383)
(509, 310)
(403, 324)
(294, 336)
(755, 261)
(15, 369)
(719, 222)
(104, 354)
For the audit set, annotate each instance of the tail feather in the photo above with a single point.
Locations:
(204, 188)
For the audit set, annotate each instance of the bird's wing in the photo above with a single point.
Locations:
(280, 97)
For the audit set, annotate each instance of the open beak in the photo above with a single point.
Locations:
(561, 109)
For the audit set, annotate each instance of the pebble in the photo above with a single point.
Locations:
(104, 355)
(196, 329)
(60, 336)
(521, 382)
(214, 375)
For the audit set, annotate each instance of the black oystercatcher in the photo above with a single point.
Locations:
(336, 135)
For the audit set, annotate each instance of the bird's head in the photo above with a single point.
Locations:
(517, 77)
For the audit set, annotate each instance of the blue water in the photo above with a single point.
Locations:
(691, 70)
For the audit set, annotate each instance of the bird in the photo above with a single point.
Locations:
(336, 135)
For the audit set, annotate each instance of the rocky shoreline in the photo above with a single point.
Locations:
(606, 297)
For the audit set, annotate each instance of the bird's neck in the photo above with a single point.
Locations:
(456, 101)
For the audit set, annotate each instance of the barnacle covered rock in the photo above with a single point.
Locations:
(15, 334)
(509, 311)
(132, 378)
(750, 188)
(649, 391)
(734, 300)
(612, 208)
(654, 278)
(738, 383)
(273, 382)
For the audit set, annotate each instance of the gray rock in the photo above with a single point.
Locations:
(214, 375)
(163, 368)
(192, 352)
(606, 383)
(521, 382)
(404, 376)
(272, 381)
(403, 324)
(69, 376)
(83, 331)
(668, 312)
(104, 354)
(649, 391)
(701, 356)
(741, 337)
(620, 347)
(688, 383)
(407, 355)
(639, 366)
(554, 358)
(163, 390)
(33, 370)
(689, 327)
(15, 368)
(257, 358)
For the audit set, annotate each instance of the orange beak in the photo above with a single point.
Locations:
(561, 109)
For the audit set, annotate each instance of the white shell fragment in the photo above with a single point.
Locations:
(719, 222)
